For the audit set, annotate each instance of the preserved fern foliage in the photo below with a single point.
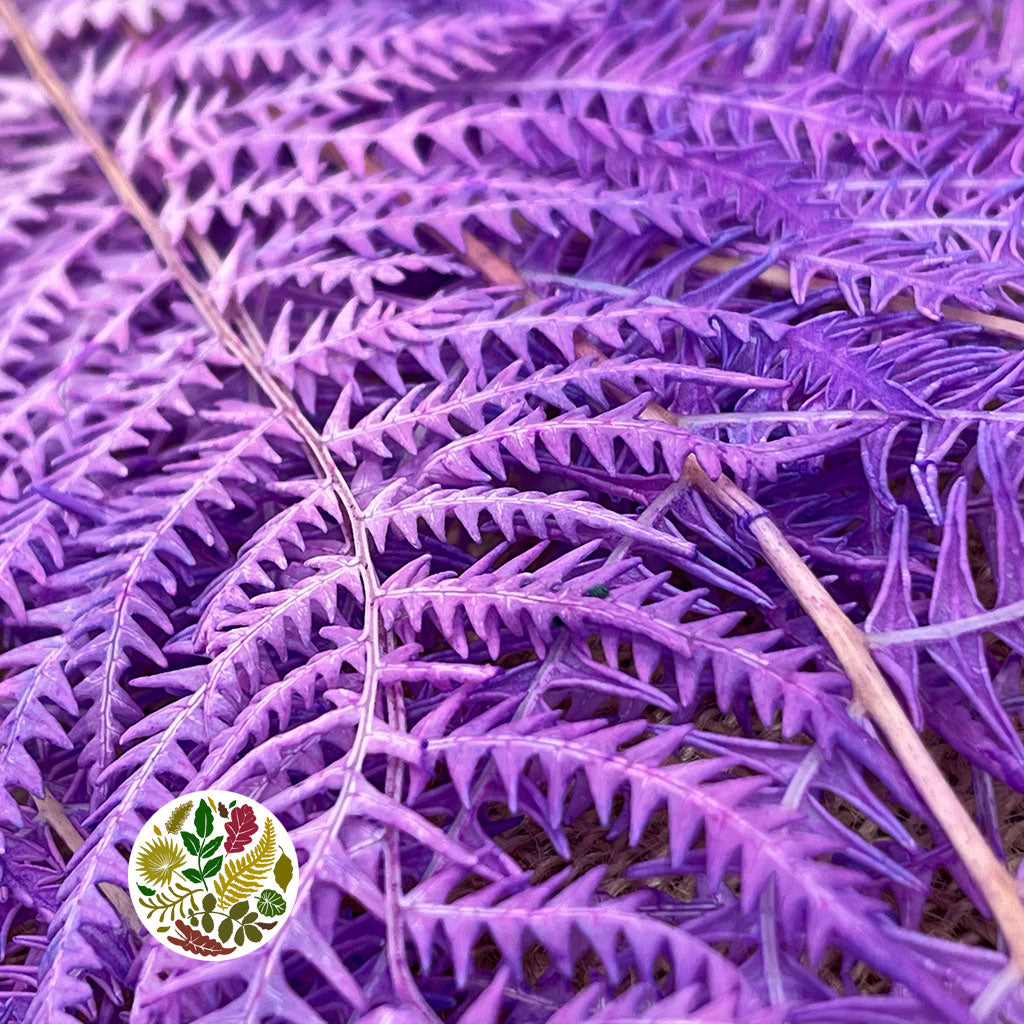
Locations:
(348, 447)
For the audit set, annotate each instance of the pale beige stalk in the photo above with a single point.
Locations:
(870, 689)
(246, 349)
(51, 810)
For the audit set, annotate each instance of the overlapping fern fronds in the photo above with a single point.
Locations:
(410, 560)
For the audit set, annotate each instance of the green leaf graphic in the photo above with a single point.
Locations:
(252, 934)
(283, 872)
(192, 875)
(166, 928)
(211, 847)
(145, 891)
(210, 868)
(191, 842)
(203, 820)
(240, 937)
(209, 901)
(207, 922)
(271, 904)
(239, 910)
(224, 931)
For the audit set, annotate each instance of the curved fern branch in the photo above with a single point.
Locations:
(871, 690)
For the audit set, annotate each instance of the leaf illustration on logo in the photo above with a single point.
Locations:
(283, 872)
(241, 827)
(210, 868)
(210, 848)
(271, 904)
(159, 859)
(174, 900)
(203, 820)
(219, 899)
(242, 876)
(177, 818)
(194, 941)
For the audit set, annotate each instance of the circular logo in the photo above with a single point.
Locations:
(212, 874)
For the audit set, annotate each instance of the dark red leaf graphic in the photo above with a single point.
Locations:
(241, 827)
(192, 940)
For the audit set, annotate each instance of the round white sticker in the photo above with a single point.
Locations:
(212, 874)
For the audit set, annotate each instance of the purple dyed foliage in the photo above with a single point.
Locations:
(463, 629)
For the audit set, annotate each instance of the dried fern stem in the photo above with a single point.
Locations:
(246, 348)
(247, 345)
(871, 691)
(874, 695)
(778, 277)
(51, 810)
(247, 354)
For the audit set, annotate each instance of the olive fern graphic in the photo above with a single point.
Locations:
(243, 876)
(177, 818)
(171, 899)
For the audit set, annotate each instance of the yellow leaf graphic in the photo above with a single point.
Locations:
(178, 816)
(159, 859)
(242, 876)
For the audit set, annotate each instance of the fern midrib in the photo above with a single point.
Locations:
(506, 393)
(137, 207)
(317, 452)
(610, 615)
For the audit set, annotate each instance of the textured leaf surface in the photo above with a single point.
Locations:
(408, 548)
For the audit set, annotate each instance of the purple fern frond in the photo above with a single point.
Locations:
(411, 550)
